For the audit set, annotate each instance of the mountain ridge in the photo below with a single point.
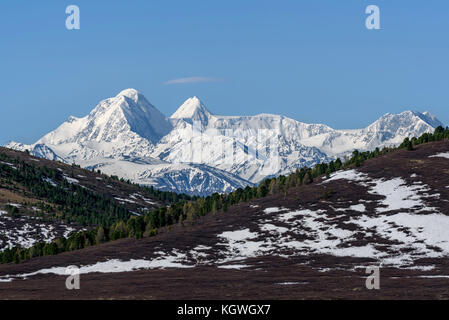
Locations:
(122, 130)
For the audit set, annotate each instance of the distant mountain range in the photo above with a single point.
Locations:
(196, 152)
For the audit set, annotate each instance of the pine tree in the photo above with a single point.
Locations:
(100, 237)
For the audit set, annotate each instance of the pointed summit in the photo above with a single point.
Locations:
(192, 109)
(113, 121)
(406, 121)
(431, 119)
(132, 94)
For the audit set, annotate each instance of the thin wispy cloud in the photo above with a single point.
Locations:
(192, 80)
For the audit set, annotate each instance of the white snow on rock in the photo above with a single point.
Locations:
(441, 155)
(125, 200)
(358, 207)
(126, 136)
(24, 235)
(272, 210)
(71, 180)
(240, 235)
(414, 230)
(14, 205)
(135, 197)
(419, 231)
(9, 164)
(110, 266)
(273, 228)
(68, 231)
(350, 175)
(288, 216)
(234, 266)
(408, 230)
(397, 194)
(25, 231)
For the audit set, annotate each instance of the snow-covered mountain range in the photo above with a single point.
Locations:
(197, 152)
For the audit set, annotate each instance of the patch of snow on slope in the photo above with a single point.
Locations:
(111, 266)
(286, 217)
(358, 207)
(441, 155)
(398, 195)
(25, 231)
(238, 245)
(9, 164)
(417, 231)
(273, 228)
(14, 205)
(234, 266)
(272, 210)
(351, 175)
(239, 235)
(71, 180)
(124, 200)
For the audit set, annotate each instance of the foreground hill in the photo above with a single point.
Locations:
(311, 242)
(41, 200)
(199, 153)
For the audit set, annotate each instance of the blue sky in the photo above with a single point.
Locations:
(313, 61)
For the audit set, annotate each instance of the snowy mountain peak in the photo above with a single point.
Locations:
(130, 93)
(124, 125)
(431, 119)
(128, 111)
(72, 119)
(411, 119)
(193, 109)
(127, 136)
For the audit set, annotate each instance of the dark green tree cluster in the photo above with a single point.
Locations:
(408, 144)
(76, 204)
(358, 157)
(439, 134)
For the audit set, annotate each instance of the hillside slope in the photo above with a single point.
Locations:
(41, 200)
(309, 242)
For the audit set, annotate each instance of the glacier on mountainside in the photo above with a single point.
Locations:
(197, 152)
